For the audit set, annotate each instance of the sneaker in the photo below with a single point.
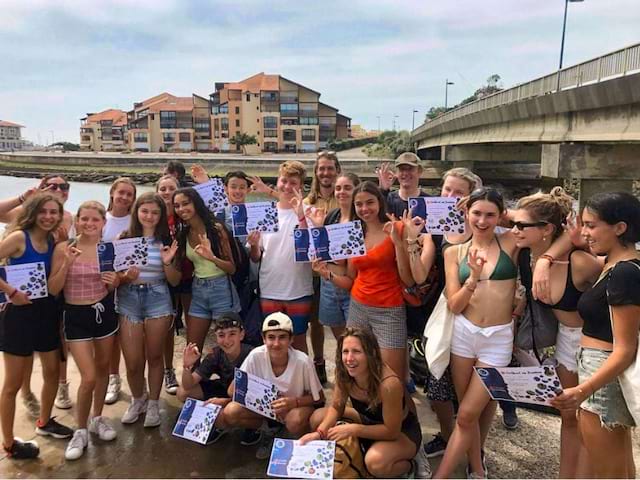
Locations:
(113, 389)
(135, 409)
(62, 398)
(215, 435)
(21, 450)
(32, 405)
(411, 386)
(266, 440)
(422, 465)
(75, 448)
(321, 370)
(471, 474)
(53, 429)
(510, 419)
(170, 381)
(102, 427)
(152, 418)
(250, 437)
(412, 471)
(436, 446)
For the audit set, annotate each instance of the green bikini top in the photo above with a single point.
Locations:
(505, 269)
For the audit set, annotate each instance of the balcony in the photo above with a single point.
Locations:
(288, 109)
(271, 133)
(269, 107)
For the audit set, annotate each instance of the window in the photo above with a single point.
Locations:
(308, 135)
(202, 124)
(167, 119)
(237, 123)
(269, 96)
(140, 137)
(308, 120)
(271, 133)
(289, 135)
(237, 110)
(248, 97)
(224, 108)
(169, 137)
(185, 136)
(86, 138)
(270, 122)
(288, 121)
(224, 124)
(289, 109)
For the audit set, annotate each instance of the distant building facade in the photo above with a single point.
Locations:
(105, 131)
(11, 136)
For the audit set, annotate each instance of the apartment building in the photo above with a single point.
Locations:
(104, 132)
(283, 115)
(11, 136)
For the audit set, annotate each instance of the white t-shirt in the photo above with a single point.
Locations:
(281, 278)
(297, 380)
(114, 227)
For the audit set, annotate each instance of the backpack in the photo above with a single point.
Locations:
(349, 459)
(418, 368)
(240, 257)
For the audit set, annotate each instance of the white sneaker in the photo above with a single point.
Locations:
(137, 408)
(101, 426)
(423, 467)
(152, 418)
(75, 447)
(113, 389)
(62, 398)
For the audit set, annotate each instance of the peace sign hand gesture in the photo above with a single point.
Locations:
(204, 247)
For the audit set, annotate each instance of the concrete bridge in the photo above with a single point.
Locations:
(582, 122)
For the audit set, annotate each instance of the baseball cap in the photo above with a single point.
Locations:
(408, 158)
(277, 321)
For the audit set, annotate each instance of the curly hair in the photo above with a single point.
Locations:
(26, 219)
(314, 193)
(552, 207)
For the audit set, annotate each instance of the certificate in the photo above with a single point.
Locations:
(30, 278)
(196, 421)
(121, 254)
(255, 393)
(440, 213)
(212, 193)
(330, 243)
(289, 459)
(255, 216)
(535, 385)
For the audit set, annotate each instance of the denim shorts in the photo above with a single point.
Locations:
(138, 302)
(607, 402)
(334, 304)
(213, 296)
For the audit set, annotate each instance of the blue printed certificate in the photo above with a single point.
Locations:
(330, 243)
(440, 214)
(196, 420)
(289, 459)
(119, 255)
(535, 385)
(30, 278)
(260, 216)
(255, 393)
(212, 193)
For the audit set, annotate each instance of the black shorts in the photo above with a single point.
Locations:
(213, 389)
(30, 328)
(90, 322)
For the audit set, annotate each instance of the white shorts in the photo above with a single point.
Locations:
(567, 344)
(492, 346)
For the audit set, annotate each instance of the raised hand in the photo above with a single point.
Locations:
(320, 267)
(168, 253)
(204, 247)
(253, 239)
(71, 252)
(297, 202)
(476, 261)
(386, 177)
(257, 185)
(317, 216)
(190, 355)
(60, 234)
(199, 174)
(391, 229)
(573, 227)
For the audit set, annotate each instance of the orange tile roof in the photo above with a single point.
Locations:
(160, 97)
(256, 83)
(176, 104)
(118, 117)
(4, 123)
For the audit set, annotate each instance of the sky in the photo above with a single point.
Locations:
(369, 58)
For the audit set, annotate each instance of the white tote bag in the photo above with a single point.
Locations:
(438, 331)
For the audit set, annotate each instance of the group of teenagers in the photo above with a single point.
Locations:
(584, 268)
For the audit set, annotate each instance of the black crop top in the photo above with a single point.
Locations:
(571, 295)
(619, 286)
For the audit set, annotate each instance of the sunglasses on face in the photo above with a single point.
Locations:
(63, 187)
(522, 225)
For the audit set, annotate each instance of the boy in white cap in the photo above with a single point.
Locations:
(291, 371)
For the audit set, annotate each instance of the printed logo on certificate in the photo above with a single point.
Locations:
(119, 255)
(30, 278)
(255, 393)
(289, 459)
(255, 216)
(196, 421)
(212, 193)
(440, 214)
(535, 385)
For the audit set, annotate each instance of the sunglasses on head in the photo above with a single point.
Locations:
(523, 225)
(227, 323)
(63, 187)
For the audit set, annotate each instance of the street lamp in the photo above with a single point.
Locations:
(446, 92)
(413, 120)
(564, 28)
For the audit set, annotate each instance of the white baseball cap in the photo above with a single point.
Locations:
(277, 321)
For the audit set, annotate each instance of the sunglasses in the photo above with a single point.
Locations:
(63, 187)
(227, 323)
(522, 225)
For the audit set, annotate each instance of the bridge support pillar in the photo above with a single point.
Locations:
(599, 167)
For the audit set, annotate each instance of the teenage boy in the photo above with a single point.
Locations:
(291, 371)
(407, 170)
(285, 286)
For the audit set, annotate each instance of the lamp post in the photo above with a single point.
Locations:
(564, 28)
(413, 120)
(446, 93)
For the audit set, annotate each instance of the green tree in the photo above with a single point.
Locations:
(491, 86)
(390, 144)
(242, 140)
(68, 146)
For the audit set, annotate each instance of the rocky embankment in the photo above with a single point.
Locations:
(87, 176)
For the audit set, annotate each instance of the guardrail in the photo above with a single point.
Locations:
(614, 64)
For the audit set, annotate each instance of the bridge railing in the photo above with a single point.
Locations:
(614, 64)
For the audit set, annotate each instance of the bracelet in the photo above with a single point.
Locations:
(12, 294)
(546, 256)
(302, 219)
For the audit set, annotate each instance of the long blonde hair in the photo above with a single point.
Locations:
(115, 184)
